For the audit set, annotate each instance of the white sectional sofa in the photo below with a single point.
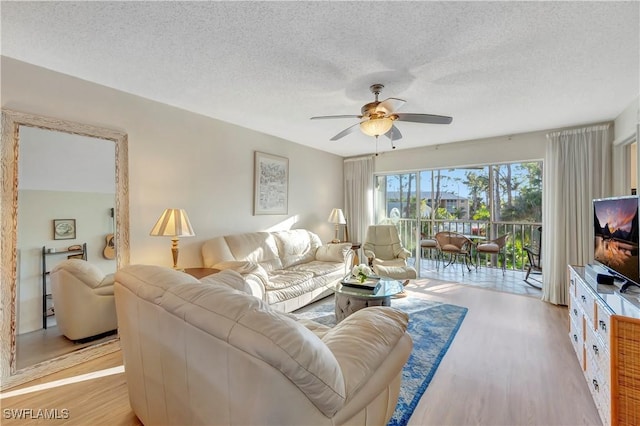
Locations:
(206, 353)
(286, 269)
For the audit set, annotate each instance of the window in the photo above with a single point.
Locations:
(486, 201)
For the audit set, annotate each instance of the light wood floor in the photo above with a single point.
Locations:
(511, 363)
(49, 343)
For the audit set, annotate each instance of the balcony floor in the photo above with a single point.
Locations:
(490, 278)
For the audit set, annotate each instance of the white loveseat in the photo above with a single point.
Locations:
(205, 353)
(286, 269)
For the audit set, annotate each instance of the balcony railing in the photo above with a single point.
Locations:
(522, 234)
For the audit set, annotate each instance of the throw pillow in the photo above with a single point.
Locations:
(333, 252)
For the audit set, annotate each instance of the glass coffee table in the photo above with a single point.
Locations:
(351, 299)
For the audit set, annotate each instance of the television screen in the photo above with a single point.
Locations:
(616, 236)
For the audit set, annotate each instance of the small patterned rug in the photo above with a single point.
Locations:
(432, 326)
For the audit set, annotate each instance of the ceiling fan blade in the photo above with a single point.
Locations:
(390, 105)
(424, 118)
(345, 132)
(393, 134)
(323, 117)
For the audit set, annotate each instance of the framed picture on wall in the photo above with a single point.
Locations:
(271, 186)
(64, 229)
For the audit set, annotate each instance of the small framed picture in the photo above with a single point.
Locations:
(64, 229)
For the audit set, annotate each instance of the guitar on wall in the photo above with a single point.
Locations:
(109, 251)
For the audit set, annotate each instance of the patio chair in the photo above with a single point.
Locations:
(493, 247)
(455, 245)
(534, 255)
(431, 245)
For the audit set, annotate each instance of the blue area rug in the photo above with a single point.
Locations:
(432, 326)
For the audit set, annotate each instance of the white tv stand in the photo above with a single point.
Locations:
(605, 333)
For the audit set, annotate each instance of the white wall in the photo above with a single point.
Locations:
(36, 211)
(626, 124)
(179, 159)
(625, 154)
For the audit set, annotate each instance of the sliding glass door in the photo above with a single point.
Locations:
(483, 201)
(396, 203)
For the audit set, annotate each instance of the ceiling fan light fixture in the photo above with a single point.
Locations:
(376, 126)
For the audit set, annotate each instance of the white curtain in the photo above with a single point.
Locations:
(358, 196)
(577, 169)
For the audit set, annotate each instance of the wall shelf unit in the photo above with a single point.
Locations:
(47, 300)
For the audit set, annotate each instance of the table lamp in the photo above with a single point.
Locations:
(337, 217)
(173, 223)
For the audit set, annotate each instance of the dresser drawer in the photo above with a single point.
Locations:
(599, 352)
(576, 314)
(575, 335)
(599, 388)
(572, 284)
(602, 322)
(586, 299)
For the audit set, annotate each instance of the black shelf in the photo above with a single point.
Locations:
(64, 251)
(48, 311)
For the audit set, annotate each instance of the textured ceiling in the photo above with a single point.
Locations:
(498, 68)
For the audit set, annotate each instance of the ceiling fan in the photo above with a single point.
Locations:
(378, 117)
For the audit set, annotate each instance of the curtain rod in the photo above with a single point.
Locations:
(579, 130)
(365, 157)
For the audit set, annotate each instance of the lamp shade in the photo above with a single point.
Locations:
(173, 223)
(376, 126)
(337, 217)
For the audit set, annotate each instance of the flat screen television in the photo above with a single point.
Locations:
(616, 238)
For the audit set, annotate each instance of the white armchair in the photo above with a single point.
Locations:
(83, 299)
(386, 254)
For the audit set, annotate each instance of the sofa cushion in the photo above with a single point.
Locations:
(230, 278)
(319, 268)
(216, 250)
(257, 247)
(296, 246)
(333, 252)
(283, 278)
(377, 330)
(489, 247)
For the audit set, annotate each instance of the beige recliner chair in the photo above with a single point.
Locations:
(83, 299)
(386, 254)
